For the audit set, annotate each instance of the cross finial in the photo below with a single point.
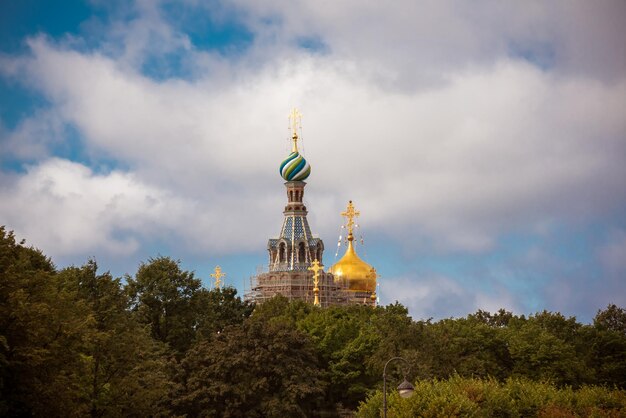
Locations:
(218, 276)
(295, 120)
(350, 214)
(315, 268)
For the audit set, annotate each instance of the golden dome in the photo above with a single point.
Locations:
(360, 276)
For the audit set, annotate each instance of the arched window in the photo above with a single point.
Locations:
(301, 253)
(318, 252)
(281, 253)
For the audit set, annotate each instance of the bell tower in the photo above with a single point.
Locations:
(295, 250)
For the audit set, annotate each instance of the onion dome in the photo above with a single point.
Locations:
(295, 167)
(360, 276)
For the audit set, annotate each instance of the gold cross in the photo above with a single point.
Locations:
(350, 213)
(315, 268)
(295, 118)
(218, 276)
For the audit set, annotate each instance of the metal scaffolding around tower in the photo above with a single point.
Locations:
(265, 286)
(295, 264)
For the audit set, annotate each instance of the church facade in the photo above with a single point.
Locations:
(295, 256)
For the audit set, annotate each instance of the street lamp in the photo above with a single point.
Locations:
(405, 389)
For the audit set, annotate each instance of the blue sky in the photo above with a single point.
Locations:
(485, 146)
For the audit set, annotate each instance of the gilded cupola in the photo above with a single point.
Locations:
(359, 276)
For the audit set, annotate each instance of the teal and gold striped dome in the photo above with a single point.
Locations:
(295, 167)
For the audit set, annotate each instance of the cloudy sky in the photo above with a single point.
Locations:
(483, 142)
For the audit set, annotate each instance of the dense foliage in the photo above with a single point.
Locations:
(78, 342)
(516, 397)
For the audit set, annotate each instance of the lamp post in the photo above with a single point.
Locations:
(405, 389)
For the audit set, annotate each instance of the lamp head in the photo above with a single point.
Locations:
(406, 389)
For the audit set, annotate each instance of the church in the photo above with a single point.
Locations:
(295, 265)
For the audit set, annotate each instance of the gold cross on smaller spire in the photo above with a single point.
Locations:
(295, 120)
(218, 276)
(315, 268)
(350, 214)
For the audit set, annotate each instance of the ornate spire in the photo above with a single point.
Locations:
(295, 248)
(315, 268)
(350, 214)
(295, 123)
(218, 277)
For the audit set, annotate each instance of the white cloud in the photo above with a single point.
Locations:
(449, 125)
(493, 150)
(413, 43)
(437, 296)
(33, 137)
(65, 208)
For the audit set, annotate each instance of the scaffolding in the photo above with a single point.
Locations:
(297, 285)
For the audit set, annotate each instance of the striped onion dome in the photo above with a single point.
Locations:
(295, 167)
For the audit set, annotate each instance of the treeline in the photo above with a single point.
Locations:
(79, 342)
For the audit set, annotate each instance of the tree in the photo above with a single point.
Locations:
(612, 318)
(123, 372)
(345, 340)
(499, 319)
(540, 355)
(68, 344)
(40, 334)
(397, 332)
(220, 308)
(258, 369)
(281, 309)
(168, 300)
(607, 346)
(469, 347)
(471, 397)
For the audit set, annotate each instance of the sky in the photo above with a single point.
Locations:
(483, 142)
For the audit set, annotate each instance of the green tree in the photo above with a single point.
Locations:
(281, 309)
(167, 299)
(499, 319)
(123, 372)
(472, 397)
(345, 340)
(220, 308)
(41, 327)
(539, 354)
(613, 318)
(259, 369)
(467, 346)
(397, 333)
(606, 343)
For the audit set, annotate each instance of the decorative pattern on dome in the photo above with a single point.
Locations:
(295, 167)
